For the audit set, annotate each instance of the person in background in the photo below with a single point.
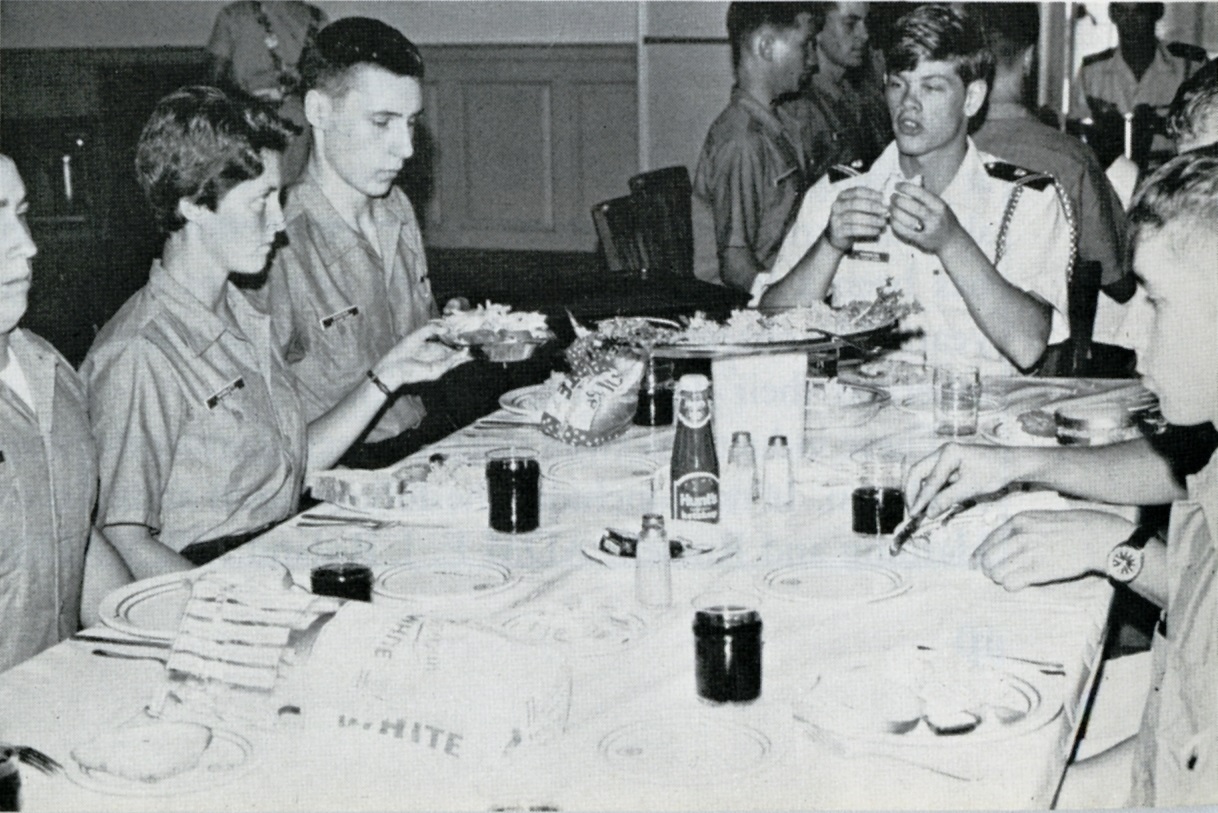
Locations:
(1174, 231)
(1013, 133)
(752, 172)
(352, 280)
(1140, 72)
(983, 245)
(841, 110)
(53, 570)
(202, 439)
(1192, 116)
(255, 47)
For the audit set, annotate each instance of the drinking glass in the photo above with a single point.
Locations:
(513, 484)
(957, 399)
(878, 502)
(655, 394)
(348, 580)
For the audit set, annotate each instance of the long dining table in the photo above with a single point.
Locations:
(632, 733)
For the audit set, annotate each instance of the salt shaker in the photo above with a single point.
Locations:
(653, 564)
(777, 486)
(738, 483)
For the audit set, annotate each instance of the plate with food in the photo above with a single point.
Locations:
(149, 756)
(689, 543)
(929, 698)
(1096, 419)
(442, 489)
(836, 582)
(495, 331)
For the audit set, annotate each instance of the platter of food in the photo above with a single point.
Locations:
(1095, 419)
(495, 331)
(445, 489)
(928, 698)
(753, 331)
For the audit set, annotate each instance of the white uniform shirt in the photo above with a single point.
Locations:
(1036, 255)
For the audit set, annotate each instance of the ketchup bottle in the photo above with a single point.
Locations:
(695, 467)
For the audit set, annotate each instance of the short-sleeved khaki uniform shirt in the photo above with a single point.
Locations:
(200, 433)
(338, 307)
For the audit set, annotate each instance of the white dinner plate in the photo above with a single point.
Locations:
(228, 756)
(150, 608)
(528, 402)
(591, 627)
(834, 582)
(703, 543)
(607, 471)
(922, 403)
(855, 701)
(677, 751)
(912, 447)
(445, 579)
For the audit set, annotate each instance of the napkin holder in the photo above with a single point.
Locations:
(761, 394)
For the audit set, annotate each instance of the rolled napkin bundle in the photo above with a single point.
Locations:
(236, 629)
(431, 689)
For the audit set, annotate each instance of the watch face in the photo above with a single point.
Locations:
(1124, 563)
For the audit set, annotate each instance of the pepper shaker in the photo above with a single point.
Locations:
(777, 486)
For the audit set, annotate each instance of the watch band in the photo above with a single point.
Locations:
(1140, 536)
(380, 385)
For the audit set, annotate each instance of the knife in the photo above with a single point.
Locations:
(905, 531)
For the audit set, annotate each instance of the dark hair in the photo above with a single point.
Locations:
(343, 44)
(198, 144)
(1152, 11)
(745, 18)
(1186, 187)
(939, 33)
(1195, 103)
(1010, 28)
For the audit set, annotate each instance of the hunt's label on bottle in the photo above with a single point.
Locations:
(695, 496)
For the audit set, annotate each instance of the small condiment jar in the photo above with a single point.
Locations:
(776, 486)
(727, 653)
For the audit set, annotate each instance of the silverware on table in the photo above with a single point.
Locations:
(331, 520)
(101, 639)
(32, 757)
(106, 653)
(906, 530)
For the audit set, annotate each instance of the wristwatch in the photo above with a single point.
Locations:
(1125, 560)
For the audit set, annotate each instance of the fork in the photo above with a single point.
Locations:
(32, 757)
(330, 521)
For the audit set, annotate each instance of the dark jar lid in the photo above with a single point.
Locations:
(725, 616)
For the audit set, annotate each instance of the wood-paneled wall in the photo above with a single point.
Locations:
(527, 139)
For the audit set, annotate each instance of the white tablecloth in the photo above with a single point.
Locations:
(629, 690)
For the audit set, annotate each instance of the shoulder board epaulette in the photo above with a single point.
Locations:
(840, 172)
(1091, 59)
(1019, 175)
(1186, 50)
